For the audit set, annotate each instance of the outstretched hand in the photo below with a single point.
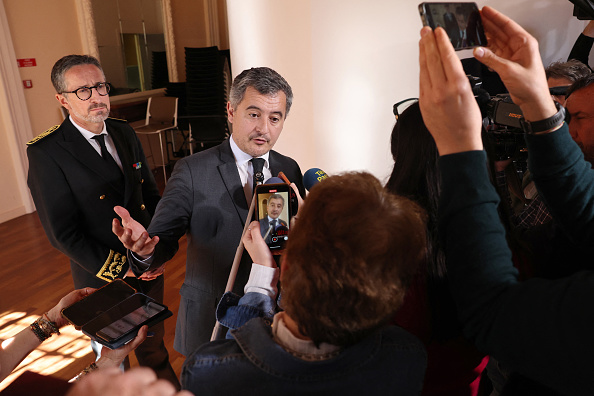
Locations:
(132, 234)
(447, 103)
(513, 54)
(256, 246)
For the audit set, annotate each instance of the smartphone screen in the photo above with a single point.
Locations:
(461, 21)
(274, 213)
(129, 322)
(98, 302)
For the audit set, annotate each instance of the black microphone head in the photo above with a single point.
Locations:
(313, 177)
(274, 180)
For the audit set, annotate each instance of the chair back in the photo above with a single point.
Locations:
(162, 110)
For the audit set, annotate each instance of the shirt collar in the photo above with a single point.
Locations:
(242, 158)
(87, 134)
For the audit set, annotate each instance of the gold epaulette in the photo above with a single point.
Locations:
(44, 134)
(112, 267)
(118, 119)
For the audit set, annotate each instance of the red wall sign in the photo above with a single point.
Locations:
(26, 62)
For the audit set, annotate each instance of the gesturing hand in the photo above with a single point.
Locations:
(132, 234)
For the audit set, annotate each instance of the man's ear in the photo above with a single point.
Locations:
(230, 112)
(62, 100)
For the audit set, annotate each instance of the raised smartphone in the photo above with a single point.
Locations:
(461, 21)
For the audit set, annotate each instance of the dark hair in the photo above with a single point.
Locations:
(350, 258)
(264, 80)
(416, 176)
(66, 63)
(580, 84)
(572, 70)
(276, 196)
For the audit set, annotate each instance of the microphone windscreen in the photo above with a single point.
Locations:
(313, 177)
(274, 180)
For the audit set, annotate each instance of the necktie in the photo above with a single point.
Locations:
(273, 224)
(258, 176)
(105, 154)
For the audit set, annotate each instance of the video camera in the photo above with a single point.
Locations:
(501, 122)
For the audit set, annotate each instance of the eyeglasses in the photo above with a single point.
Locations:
(85, 93)
(403, 105)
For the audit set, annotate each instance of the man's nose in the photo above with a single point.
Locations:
(263, 126)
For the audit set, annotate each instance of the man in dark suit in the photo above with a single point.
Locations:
(271, 222)
(208, 198)
(81, 169)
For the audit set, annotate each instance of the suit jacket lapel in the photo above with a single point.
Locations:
(83, 152)
(125, 158)
(230, 175)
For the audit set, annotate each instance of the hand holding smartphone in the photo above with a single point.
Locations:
(461, 21)
(274, 209)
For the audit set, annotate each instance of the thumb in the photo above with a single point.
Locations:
(122, 212)
(489, 59)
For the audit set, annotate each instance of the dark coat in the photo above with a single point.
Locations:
(75, 199)
(205, 199)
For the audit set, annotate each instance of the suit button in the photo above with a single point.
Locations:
(141, 181)
(142, 207)
(102, 197)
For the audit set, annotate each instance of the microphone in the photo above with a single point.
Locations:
(313, 177)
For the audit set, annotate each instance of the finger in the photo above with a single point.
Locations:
(117, 228)
(122, 212)
(490, 59)
(424, 76)
(139, 339)
(500, 24)
(451, 65)
(434, 58)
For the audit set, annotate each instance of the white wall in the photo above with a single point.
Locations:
(348, 61)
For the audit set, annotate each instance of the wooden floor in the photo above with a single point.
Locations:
(34, 276)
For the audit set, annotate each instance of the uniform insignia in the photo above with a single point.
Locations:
(44, 134)
(118, 119)
(112, 267)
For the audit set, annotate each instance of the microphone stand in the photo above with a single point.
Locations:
(235, 267)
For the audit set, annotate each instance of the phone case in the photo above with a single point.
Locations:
(98, 310)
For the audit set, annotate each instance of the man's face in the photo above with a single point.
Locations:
(558, 82)
(581, 124)
(274, 207)
(89, 113)
(257, 121)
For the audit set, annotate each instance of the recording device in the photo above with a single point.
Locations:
(583, 9)
(501, 121)
(113, 314)
(132, 313)
(276, 204)
(461, 21)
(312, 177)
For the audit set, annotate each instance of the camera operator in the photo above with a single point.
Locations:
(539, 328)
(341, 283)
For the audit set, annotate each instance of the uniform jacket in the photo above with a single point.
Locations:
(204, 197)
(75, 199)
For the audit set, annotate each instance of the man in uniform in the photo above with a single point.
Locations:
(81, 169)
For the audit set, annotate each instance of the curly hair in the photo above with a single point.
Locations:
(350, 258)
